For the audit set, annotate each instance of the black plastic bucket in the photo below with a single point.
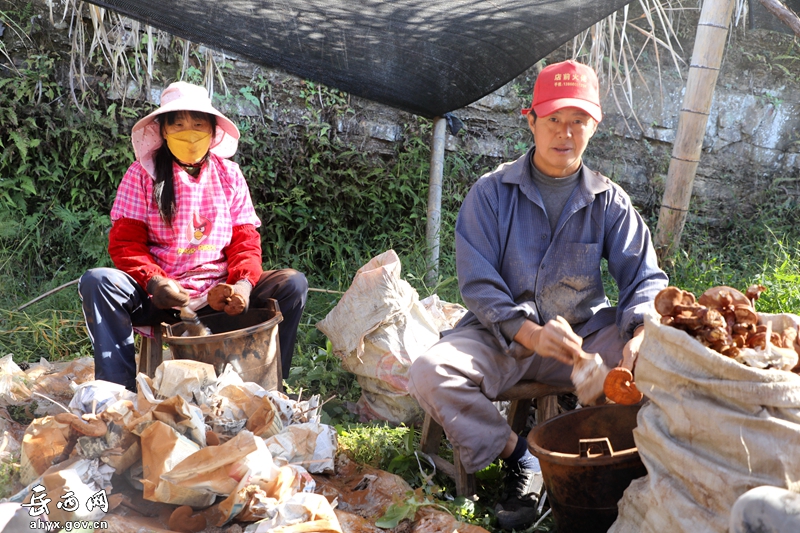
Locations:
(248, 342)
(588, 459)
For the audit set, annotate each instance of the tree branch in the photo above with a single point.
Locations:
(784, 14)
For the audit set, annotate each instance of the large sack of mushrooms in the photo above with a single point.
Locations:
(724, 410)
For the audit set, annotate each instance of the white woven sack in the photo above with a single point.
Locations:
(378, 328)
(713, 429)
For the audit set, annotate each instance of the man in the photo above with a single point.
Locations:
(530, 238)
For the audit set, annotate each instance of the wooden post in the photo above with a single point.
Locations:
(709, 45)
(434, 220)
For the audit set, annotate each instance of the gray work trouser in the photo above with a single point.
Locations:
(457, 378)
(766, 510)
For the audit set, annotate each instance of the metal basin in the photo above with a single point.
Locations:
(588, 458)
(248, 342)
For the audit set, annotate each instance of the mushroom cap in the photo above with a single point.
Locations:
(739, 340)
(666, 300)
(236, 306)
(90, 428)
(182, 520)
(714, 319)
(745, 314)
(715, 334)
(759, 340)
(620, 388)
(754, 291)
(212, 439)
(716, 296)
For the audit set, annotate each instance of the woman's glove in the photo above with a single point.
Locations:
(233, 299)
(167, 293)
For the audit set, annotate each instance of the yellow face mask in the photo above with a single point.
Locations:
(189, 146)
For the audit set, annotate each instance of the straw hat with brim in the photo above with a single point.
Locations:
(181, 96)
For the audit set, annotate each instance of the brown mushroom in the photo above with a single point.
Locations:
(182, 520)
(730, 350)
(90, 428)
(754, 292)
(697, 316)
(688, 321)
(666, 300)
(720, 347)
(687, 298)
(714, 319)
(759, 340)
(672, 301)
(714, 335)
(743, 330)
(723, 318)
(739, 340)
(744, 314)
(212, 439)
(620, 388)
(722, 296)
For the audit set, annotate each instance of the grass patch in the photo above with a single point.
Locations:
(394, 449)
(9, 478)
(761, 247)
(55, 335)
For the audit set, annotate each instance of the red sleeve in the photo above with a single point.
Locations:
(244, 255)
(127, 245)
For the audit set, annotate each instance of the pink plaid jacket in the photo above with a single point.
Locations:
(208, 208)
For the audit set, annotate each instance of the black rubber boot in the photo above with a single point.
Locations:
(522, 488)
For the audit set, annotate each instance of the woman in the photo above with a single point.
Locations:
(184, 233)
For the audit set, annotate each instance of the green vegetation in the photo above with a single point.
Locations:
(9, 472)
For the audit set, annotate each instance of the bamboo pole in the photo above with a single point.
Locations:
(434, 219)
(709, 46)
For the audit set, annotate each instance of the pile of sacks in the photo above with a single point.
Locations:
(198, 452)
(186, 438)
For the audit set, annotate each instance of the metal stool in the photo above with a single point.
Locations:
(520, 395)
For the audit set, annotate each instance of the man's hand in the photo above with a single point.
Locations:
(555, 339)
(631, 350)
(233, 299)
(167, 293)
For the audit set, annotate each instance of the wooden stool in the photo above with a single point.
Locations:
(151, 352)
(520, 395)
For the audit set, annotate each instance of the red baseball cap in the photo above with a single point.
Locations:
(566, 84)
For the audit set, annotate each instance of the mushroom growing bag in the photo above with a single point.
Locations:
(377, 329)
(713, 429)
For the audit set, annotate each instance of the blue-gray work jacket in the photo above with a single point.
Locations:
(511, 266)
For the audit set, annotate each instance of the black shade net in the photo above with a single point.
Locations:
(427, 57)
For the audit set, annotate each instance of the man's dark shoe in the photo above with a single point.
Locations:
(522, 488)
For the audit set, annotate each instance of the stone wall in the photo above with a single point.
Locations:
(752, 139)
